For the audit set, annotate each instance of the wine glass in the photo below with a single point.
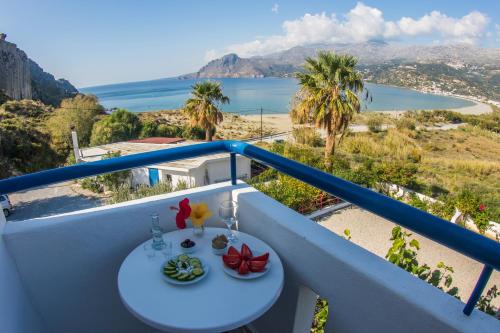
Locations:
(228, 212)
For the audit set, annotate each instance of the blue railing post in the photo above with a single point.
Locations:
(478, 289)
(233, 168)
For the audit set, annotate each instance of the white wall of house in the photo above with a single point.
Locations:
(220, 170)
(140, 176)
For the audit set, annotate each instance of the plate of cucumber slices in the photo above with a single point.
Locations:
(184, 269)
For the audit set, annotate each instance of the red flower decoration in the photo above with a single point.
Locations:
(183, 213)
(482, 207)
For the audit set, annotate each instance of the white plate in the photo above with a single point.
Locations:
(204, 265)
(249, 276)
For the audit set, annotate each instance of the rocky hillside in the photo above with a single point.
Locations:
(231, 65)
(469, 70)
(22, 78)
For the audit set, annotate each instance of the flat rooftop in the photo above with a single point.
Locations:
(92, 154)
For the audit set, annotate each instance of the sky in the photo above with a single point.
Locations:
(100, 42)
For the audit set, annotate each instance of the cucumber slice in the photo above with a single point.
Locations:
(197, 271)
(183, 277)
(176, 275)
(183, 257)
(191, 277)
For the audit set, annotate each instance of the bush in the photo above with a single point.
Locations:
(405, 123)
(169, 131)
(308, 136)
(91, 184)
(124, 193)
(194, 133)
(471, 204)
(121, 125)
(398, 172)
(27, 108)
(149, 129)
(24, 146)
(81, 112)
(108, 181)
(375, 123)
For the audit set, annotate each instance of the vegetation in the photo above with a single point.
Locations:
(403, 253)
(121, 125)
(468, 80)
(203, 107)
(24, 142)
(124, 193)
(375, 123)
(307, 136)
(328, 96)
(79, 113)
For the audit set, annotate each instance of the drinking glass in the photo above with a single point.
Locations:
(228, 212)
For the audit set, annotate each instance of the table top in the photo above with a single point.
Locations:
(216, 303)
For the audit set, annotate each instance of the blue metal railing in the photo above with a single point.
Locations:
(455, 237)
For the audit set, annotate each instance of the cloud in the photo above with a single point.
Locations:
(360, 24)
(275, 8)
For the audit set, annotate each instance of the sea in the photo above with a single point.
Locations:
(249, 95)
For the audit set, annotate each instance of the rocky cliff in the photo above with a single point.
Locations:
(15, 75)
(22, 78)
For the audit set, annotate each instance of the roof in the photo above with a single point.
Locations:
(158, 140)
(129, 148)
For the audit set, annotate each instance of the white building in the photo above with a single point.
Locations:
(199, 171)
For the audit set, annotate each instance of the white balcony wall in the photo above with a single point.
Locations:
(17, 313)
(365, 292)
(69, 265)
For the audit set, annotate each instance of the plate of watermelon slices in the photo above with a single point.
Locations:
(244, 264)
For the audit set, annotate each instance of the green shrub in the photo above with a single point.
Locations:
(194, 133)
(308, 136)
(91, 184)
(149, 129)
(169, 131)
(405, 123)
(398, 172)
(375, 123)
(121, 125)
(124, 193)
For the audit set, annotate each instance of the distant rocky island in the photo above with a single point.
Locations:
(455, 69)
(22, 78)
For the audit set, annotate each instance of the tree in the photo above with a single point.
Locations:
(79, 112)
(203, 107)
(328, 96)
(121, 125)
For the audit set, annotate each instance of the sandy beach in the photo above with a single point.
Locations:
(282, 122)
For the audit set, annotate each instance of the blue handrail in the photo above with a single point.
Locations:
(455, 237)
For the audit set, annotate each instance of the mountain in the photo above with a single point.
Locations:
(22, 78)
(466, 69)
(368, 53)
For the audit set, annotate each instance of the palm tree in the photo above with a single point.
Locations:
(203, 107)
(328, 96)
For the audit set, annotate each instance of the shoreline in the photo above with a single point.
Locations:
(283, 123)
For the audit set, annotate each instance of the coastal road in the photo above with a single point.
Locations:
(373, 234)
(50, 200)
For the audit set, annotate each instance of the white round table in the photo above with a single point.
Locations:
(216, 303)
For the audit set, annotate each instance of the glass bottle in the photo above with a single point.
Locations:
(157, 233)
